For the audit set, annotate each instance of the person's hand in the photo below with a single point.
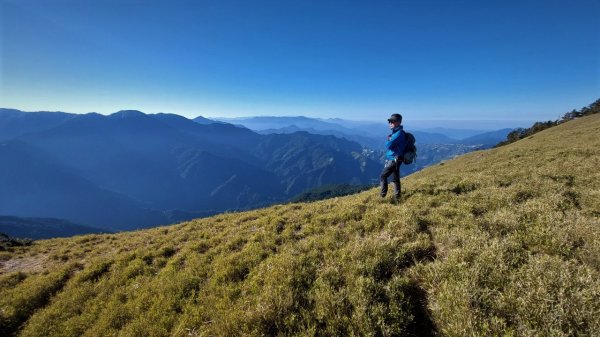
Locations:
(389, 137)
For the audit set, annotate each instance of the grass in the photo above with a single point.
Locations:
(499, 242)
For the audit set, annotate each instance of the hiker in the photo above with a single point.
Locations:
(396, 142)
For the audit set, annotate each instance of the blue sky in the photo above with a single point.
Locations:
(513, 60)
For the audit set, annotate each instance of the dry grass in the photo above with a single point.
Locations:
(499, 242)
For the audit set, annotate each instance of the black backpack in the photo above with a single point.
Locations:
(410, 151)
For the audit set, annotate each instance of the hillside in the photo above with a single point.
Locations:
(497, 242)
(36, 185)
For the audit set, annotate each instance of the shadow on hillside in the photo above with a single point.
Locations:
(422, 324)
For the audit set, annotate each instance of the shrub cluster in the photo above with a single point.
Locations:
(6, 242)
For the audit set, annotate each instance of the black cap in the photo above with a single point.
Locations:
(395, 118)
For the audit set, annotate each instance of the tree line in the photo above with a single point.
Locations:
(521, 133)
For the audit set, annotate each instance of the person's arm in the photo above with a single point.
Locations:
(397, 141)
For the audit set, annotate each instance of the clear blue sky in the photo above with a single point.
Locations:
(361, 60)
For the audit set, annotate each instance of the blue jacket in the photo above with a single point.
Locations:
(396, 144)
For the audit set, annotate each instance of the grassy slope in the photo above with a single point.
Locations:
(500, 242)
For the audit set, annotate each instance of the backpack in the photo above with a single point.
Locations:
(410, 151)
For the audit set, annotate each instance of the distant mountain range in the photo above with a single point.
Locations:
(433, 144)
(457, 129)
(368, 133)
(133, 170)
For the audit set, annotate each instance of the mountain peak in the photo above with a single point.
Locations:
(128, 114)
(204, 120)
(170, 116)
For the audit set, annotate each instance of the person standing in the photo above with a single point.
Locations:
(396, 142)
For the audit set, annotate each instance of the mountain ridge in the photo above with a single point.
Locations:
(42, 228)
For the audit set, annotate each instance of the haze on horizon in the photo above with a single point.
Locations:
(431, 60)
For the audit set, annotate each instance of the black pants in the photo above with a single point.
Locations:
(392, 168)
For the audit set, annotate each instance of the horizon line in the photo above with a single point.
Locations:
(270, 116)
